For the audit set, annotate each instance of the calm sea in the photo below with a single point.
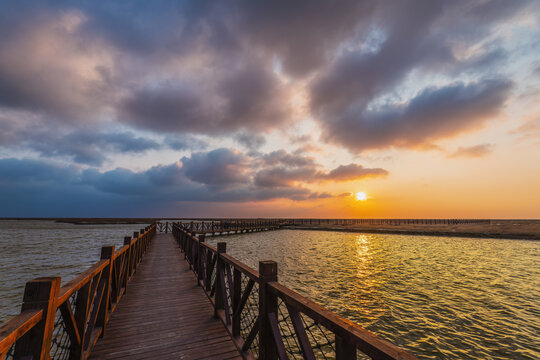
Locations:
(30, 249)
(438, 297)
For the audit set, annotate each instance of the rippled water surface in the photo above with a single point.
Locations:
(30, 249)
(438, 297)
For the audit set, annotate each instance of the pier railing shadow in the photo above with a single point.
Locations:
(65, 322)
(267, 320)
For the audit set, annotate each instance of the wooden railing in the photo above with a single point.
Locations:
(267, 320)
(65, 322)
(382, 221)
(223, 226)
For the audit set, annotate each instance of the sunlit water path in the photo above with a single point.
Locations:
(439, 297)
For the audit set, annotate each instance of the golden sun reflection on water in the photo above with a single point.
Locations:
(372, 306)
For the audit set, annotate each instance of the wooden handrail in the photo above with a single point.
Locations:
(369, 343)
(91, 292)
(80, 280)
(229, 297)
(15, 328)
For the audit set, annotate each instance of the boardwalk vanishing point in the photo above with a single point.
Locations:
(167, 294)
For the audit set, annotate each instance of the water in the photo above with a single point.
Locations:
(437, 297)
(30, 249)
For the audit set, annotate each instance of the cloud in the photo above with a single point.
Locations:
(353, 172)
(247, 97)
(216, 167)
(81, 82)
(528, 130)
(475, 151)
(82, 146)
(251, 141)
(433, 114)
(45, 69)
(281, 168)
(214, 68)
(220, 175)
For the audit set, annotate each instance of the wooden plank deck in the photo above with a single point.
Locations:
(164, 314)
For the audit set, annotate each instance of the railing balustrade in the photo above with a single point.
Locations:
(268, 320)
(66, 322)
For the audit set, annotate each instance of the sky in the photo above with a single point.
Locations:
(270, 108)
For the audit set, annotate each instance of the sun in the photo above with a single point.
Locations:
(361, 196)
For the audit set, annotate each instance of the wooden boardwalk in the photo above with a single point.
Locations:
(164, 314)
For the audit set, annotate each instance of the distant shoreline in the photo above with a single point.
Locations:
(500, 229)
(517, 236)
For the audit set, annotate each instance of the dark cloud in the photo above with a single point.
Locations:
(432, 114)
(285, 169)
(282, 176)
(283, 157)
(220, 175)
(248, 96)
(475, 151)
(81, 146)
(216, 167)
(251, 141)
(185, 142)
(85, 62)
(353, 172)
(72, 73)
(418, 40)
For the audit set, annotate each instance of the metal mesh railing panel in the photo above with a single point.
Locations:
(249, 314)
(286, 329)
(61, 343)
(322, 340)
(227, 273)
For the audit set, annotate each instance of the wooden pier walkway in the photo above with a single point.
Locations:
(171, 295)
(166, 315)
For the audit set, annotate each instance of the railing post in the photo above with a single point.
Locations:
(127, 241)
(344, 349)
(107, 253)
(137, 245)
(267, 305)
(237, 294)
(143, 241)
(81, 312)
(200, 260)
(39, 293)
(219, 301)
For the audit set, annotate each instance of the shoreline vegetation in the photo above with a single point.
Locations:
(504, 229)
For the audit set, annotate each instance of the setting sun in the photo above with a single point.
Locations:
(361, 196)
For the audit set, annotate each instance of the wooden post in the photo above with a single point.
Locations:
(237, 295)
(39, 293)
(219, 301)
(200, 260)
(344, 349)
(107, 253)
(137, 245)
(127, 241)
(81, 317)
(267, 304)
